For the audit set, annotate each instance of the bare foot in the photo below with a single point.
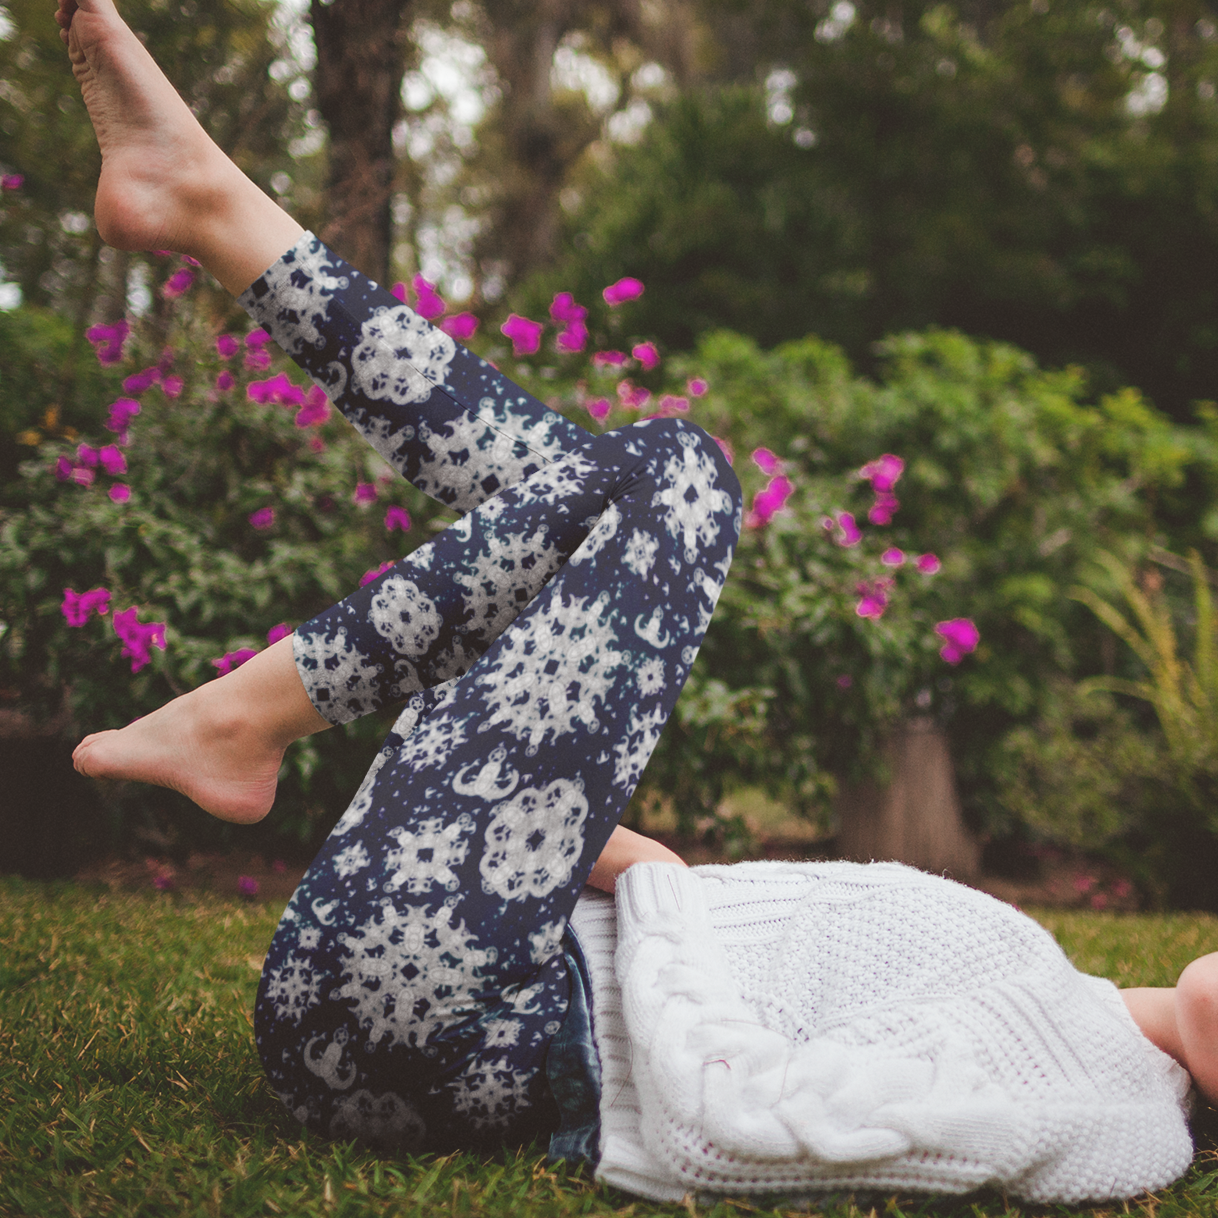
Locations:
(221, 744)
(164, 182)
(192, 745)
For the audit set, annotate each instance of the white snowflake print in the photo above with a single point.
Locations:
(424, 859)
(409, 620)
(600, 534)
(400, 357)
(503, 580)
(385, 1121)
(557, 481)
(547, 435)
(691, 497)
(350, 860)
(464, 457)
(632, 753)
(650, 677)
(410, 973)
(555, 666)
(492, 780)
(651, 629)
(534, 840)
(432, 741)
(293, 987)
(361, 804)
(327, 1059)
(294, 309)
(489, 1093)
(500, 1033)
(334, 673)
(547, 941)
(640, 552)
(308, 938)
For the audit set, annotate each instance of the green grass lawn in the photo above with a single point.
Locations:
(129, 1083)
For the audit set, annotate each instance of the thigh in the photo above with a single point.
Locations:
(417, 978)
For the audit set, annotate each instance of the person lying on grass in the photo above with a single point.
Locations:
(448, 974)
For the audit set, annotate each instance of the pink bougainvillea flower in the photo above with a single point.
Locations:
(138, 637)
(696, 387)
(122, 412)
(765, 461)
(845, 681)
(316, 408)
(572, 338)
(883, 472)
(365, 492)
(647, 355)
(258, 360)
(87, 456)
(461, 326)
(525, 334)
(12, 181)
(225, 381)
(622, 291)
(598, 408)
(227, 346)
(191, 261)
(140, 382)
(671, 404)
(376, 572)
(277, 390)
(399, 290)
(112, 459)
(397, 518)
(247, 886)
(609, 359)
(849, 534)
(257, 338)
(959, 637)
(725, 448)
(108, 341)
(278, 632)
(120, 492)
(178, 283)
(883, 509)
(769, 502)
(428, 304)
(873, 597)
(82, 475)
(77, 606)
(263, 518)
(928, 564)
(633, 397)
(171, 386)
(564, 309)
(233, 659)
(63, 468)
(892, 557)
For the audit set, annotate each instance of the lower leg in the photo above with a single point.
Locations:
(220, 745)
(164, 182)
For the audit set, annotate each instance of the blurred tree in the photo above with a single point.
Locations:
(1040, 174)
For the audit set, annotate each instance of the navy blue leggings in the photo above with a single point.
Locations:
(539, 645)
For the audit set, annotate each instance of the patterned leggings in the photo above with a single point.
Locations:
(539, 645)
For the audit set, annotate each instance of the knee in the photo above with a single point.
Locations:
(690, 443)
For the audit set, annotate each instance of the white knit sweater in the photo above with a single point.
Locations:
(801, 1028)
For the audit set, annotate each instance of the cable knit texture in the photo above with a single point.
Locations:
(799, 1028)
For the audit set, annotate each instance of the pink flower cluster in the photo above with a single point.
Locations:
(234, 659)
(311, 405)
(108, 341)
(771, 499)
(873, 597)
(959, 637)
(375, 573)
(430, 305)
(573, 337)
(138, 638)
(83, 470)
(883, 474)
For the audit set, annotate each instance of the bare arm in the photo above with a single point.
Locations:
(623, 849)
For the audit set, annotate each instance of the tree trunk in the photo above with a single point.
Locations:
(914, 818)
(358, 83)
